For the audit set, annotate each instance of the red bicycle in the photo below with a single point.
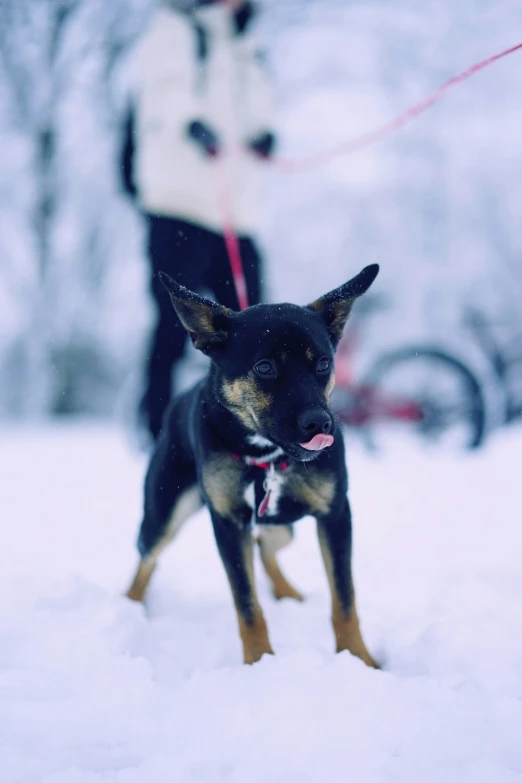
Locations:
(421, 387)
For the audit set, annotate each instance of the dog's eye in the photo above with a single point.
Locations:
(323, 365)
(265, 369)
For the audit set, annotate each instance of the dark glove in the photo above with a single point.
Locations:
(263, 145)
(127, 155)
(204, 137)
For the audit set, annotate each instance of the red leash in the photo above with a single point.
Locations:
(229, 233)
(365, 140)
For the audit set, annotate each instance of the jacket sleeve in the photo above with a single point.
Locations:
(165, 72)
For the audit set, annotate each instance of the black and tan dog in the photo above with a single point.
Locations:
(257, 443)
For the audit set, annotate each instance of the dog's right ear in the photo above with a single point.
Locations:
(206, 322)
(334, 307)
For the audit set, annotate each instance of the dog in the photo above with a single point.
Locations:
(256, 442)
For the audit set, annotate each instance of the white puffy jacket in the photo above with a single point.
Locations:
(226, 90)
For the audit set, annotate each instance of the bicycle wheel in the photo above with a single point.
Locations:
(453, 411)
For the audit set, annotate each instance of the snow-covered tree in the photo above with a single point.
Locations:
(60, 86)
(437, 204)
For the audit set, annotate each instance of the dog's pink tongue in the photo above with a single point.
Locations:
(318, 442)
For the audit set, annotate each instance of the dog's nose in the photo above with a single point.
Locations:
(314, 421)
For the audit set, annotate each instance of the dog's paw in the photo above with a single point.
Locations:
(372, 662)
(287, 591)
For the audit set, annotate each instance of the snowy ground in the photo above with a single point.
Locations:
(94, 689)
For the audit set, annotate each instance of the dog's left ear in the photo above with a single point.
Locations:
(335, 306)
(206, 322)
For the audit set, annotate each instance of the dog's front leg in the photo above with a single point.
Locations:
(235, 543)
(335, 539)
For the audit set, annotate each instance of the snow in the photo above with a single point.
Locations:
(95, 689)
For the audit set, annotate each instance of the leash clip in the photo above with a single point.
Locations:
(270, 483)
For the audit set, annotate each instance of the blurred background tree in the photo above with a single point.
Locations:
(61, 106)
(437, 205)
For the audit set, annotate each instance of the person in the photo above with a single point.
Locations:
(200, 93)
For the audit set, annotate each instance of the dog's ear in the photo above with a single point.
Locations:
(335, 306)
(206, 322)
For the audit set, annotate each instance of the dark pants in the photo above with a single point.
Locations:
(197, 258)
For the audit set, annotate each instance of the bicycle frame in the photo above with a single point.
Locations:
(366, 405)
(363, 404)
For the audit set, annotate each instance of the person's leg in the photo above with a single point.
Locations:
(166, 244)
(253, 271)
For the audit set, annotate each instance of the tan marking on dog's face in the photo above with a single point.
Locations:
(222, 480)
(315, 490)
(330, 386)
(247, 401)
(310, 354)
(255, 418)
